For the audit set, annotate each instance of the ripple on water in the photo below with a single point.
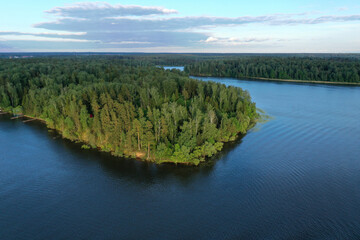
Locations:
(297, 177)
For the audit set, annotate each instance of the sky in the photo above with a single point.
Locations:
(202, 26)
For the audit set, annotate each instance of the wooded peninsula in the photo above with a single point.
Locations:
(127, 107)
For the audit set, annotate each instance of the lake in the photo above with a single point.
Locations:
(294, 177)
(177, 68)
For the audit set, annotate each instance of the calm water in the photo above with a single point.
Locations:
(170, 68)
(295, 177)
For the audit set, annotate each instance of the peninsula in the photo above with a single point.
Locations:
(128, 108)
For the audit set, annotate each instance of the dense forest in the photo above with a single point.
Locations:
(331, 69)
(128, 108)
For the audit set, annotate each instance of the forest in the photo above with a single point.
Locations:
(329, 68)
(127, 107)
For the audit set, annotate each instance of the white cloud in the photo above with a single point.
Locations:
(211, 39)
(102, 9)
(129, 42)
(110, 26)
(46, 34)
(25, 37)
(232, 41)
(151, 24)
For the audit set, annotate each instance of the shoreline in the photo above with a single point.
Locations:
(35, 118)
(286, 80)
(2, 112)
(130, 155)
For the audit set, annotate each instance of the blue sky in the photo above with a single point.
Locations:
(180, 26)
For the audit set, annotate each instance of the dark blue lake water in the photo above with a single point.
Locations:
(295, 177)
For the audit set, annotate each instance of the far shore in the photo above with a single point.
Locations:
(288, 80)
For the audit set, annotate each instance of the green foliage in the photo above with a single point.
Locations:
(128, 109)
(17, 111)
(332, 69)
(85, 146)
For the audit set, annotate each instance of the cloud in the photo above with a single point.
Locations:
(173, 31)
(109, 39)
(150, 24)
(233, 41)
(342, 9)
(100, 25)
(44, 37)
(116, 23)
(5, 47)
(318, 20)
(31, 45)
(95, 10)
(45, 34)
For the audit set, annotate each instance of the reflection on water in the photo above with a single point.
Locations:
(295, 177)
(131, 169)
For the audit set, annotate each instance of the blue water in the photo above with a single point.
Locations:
(294, 177)
(171, 67)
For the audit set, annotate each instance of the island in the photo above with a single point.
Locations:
(128, 107)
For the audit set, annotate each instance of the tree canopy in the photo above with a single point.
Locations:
(331, 69)
(128, 108)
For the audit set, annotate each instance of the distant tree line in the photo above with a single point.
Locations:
(332, 69)
(128, 108)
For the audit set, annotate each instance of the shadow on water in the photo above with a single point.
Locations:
(125, 168)
(296, 179)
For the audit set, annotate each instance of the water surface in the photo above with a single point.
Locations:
(295, 177)
(172, 67)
